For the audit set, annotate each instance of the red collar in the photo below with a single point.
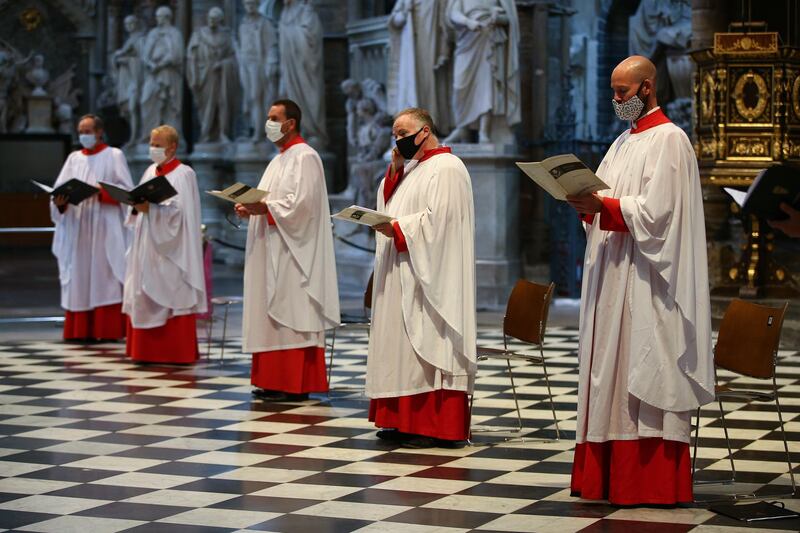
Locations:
(297, 140)
(169, 166)
(434, 151)
(656, 118)
(99, 147)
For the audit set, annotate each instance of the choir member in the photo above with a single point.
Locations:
(421, 364)
(645, 326)
(290, 291)
(90, 239)
(165, 283)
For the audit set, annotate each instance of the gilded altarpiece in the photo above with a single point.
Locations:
(747, 105)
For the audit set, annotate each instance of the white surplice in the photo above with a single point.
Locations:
(90, 238)
(290, 291)
(165, 261)
(423, 333)
(645, 326)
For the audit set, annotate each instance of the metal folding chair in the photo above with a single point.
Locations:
(226, 302)
(748, 341)
(351, 322)
(526, 321)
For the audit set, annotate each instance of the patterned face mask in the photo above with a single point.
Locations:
(630, 109)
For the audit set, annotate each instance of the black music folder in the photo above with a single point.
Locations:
(773, 186)
(75, 190)
(754, 512)
(154, 191)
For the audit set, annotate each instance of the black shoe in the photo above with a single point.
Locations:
(451, 444)
(289, 397)
(392, 435)
(419, 442)
(269, 395)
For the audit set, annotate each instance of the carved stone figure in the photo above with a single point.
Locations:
(302, 75)
(485, 65)
(352, 91)
(38, 76)
(211, 73)
(661, 30)
(162, 92)
(419, 59)
(257, 52)
(11, 110)
(129, 74)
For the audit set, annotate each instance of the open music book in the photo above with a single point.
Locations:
(239, 193)
(564, 174)
(773, 185)
(154, 191)
(75, 190)
(362, 215)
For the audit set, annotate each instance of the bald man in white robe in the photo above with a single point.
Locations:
(645, 325)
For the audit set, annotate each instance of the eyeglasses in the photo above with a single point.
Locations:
(236, 222)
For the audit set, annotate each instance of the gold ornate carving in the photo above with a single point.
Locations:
(750, 95)
(749, 147)
(30, 18)
(796, 96)
(745, 44)
(707, 98)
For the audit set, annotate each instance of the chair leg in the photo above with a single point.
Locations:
(783, 433)
(727, 441)
(209, 331)
(224, 333)
(550, 394)
(696, 439)
(330, 359)
(514, 393)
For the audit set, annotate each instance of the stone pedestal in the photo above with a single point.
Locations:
(495, 189)
(40, 114)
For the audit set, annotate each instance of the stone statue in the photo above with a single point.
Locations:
(352, 91)
(661, 30)
(370, 134)
(485, 66)
(38, 76)
(302, 76)
(257, 52)
(10, 95)
(212, 75)
(419, 59)
(129, 74)
(162, 91)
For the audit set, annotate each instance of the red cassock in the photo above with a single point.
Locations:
(174, 342)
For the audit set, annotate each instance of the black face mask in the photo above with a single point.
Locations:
(407, 147)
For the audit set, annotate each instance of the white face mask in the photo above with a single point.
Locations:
(157, 155)
(273, 130)
(87, 140)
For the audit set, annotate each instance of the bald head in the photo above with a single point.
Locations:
(635, 75)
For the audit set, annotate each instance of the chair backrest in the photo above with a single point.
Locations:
(526, 311)
(749, 336)
(368, 293)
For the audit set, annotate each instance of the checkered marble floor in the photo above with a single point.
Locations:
(90, 442)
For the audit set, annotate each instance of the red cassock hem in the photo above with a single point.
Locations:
(174, 342)
(295, 371)
(105, 322)
(633, 472)
(441, 414)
